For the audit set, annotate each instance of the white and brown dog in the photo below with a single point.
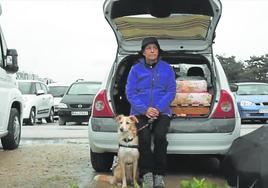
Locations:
(128, 154)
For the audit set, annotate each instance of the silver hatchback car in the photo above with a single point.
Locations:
(205, 117)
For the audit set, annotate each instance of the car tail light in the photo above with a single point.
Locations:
(101, 106)
(225, 108)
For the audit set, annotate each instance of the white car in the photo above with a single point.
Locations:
(11, 104)
(57, 90)
(38, 103)
(207, 121)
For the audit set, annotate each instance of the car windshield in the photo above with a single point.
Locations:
(253, 89)
(84, 89)
(26, 87)
(57, 91)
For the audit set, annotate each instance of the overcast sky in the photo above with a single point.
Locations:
(70, 39)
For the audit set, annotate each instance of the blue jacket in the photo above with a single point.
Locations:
(151, 86)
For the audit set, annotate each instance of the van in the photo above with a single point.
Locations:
(11, 104)
(205, 118)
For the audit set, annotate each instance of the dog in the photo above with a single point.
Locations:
(126, 170)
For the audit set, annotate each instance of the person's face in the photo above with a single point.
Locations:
(151, 53)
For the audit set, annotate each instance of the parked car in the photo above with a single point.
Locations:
(57, 90)
(75, 105)
(185, 31)
(11, 98)
(252, 101)
(38, 103)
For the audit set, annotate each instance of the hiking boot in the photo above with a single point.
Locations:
(159, 181)
(147, 180)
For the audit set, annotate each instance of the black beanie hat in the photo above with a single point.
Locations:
(149, 40)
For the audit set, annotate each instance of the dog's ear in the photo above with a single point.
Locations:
(119, 117)
(133, 118)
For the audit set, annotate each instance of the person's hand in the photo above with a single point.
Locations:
(152, 112)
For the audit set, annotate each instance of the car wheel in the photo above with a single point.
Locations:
(50, 118)
(12, 139)
(101, 162)
(32, 117)
(264, 121)
(61, 121)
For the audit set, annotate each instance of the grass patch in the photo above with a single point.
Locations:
(200, 183)
(73, 185)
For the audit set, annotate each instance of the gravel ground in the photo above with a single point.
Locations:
(45, 167)
(59, 165)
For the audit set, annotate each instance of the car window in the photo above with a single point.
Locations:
(253, 89)
(26, 88)
(57, 91)
(3, 48)
(38, 86)
(44, 87)
(84, 89)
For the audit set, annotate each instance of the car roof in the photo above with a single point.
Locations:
(58, 84)
(31, 81)
(247, 83)
(95, 82)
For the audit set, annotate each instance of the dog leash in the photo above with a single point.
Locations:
(150, 122)
(144, 126)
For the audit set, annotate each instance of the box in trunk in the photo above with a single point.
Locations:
(190, 111)
(192, 99)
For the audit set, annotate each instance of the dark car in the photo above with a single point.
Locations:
(75, 105)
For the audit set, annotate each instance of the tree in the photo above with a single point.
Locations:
(235, 71)
(257, 68)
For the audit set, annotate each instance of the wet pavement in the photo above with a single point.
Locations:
(181, 167)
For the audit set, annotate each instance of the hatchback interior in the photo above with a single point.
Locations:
(194, 93)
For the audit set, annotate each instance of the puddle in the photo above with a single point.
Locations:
(37, 141)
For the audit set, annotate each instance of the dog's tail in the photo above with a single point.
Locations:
(105, 178)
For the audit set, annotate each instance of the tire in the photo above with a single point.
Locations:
(61, 121)
(32, 117)
(101, 162)
(12, 139)
(50, 118)
(264, 121)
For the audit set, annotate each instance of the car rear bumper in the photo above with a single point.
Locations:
(66, 115)
(253, 115)
(179, 143)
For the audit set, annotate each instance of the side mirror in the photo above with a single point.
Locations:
(40, 92)
(233, 87)
(11, 61)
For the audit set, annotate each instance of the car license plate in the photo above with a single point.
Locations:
(79, 113)
(263, 111)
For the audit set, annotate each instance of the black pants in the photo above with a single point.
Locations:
(153, 160)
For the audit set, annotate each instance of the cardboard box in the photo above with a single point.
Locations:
(192, 99)
(186, 111)
(191, 86)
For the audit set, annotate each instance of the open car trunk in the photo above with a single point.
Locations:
(194, 93)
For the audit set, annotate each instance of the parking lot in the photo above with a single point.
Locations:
(58, 156)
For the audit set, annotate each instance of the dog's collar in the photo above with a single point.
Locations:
(127, 140)
(128, 146)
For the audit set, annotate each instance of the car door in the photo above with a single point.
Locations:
(185, 25)
(40, 98)
(4, 85)
(47, 100)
